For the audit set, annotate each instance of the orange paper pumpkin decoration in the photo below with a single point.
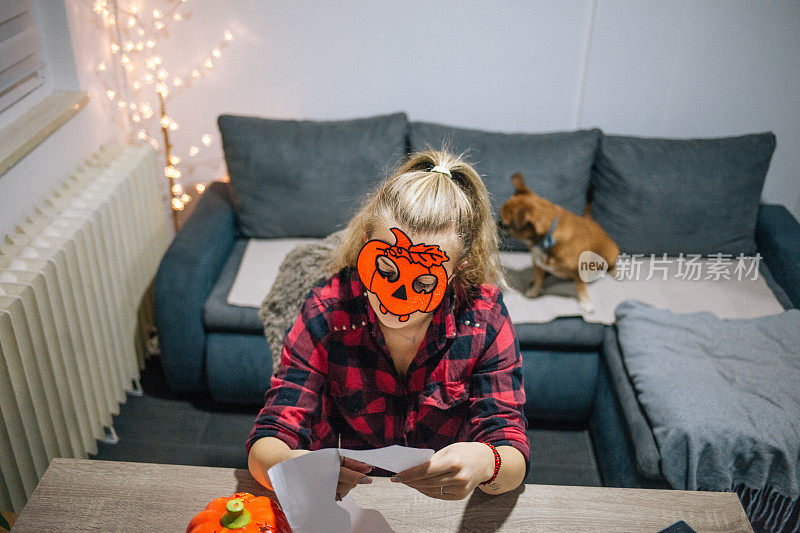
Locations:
(405, 277)
(243, 513)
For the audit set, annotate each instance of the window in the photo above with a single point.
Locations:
(21, 65)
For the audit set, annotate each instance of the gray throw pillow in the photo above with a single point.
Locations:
(691, 196)
(302, 178)
(557, 166)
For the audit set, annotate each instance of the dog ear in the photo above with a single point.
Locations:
(519, 182)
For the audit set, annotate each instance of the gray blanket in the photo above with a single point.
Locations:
(299, 271)
(723, 400)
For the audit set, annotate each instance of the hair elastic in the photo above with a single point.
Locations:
(441, 170)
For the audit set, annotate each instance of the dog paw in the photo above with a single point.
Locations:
(533, 291)
(587, 306)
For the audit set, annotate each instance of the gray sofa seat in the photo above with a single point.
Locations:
(218, 314)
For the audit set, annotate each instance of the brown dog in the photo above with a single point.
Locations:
(555, 237)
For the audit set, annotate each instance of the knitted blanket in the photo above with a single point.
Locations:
(300, 270)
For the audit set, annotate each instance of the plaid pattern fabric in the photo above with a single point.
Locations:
(336, 377)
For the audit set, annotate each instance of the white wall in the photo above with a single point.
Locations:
(683, 69)
(33, 178)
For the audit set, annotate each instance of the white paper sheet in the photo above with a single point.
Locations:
(306, 488)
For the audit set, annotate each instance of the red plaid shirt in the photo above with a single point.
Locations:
(336, 377)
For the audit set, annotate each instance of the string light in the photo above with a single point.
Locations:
(133, 41)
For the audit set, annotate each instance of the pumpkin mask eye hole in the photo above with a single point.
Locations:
(424, 284)
(387, 268)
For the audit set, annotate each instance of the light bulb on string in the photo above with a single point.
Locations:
(177, 81)
(228, 35)
(216, 53)
(193, 151)
(114, 48)
(177, 189)
(101, 67)
(110, 94)
(177, 205)
(208, 63)
(195, 73)
(174, 159)
(185, 198)
(205, 139)
(200, 188)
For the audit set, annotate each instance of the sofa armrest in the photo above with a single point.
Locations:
(778, 238)
(187, 273)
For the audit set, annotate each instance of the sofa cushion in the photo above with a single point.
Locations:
(556, 166)
(559, 385)
(563, 333)
(691, 196)
(218, 314)
(302, 178)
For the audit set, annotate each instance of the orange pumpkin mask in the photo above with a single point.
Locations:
(405, 277)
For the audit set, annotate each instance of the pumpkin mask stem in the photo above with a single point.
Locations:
(236, 517)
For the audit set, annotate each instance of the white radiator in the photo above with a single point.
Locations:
(72, 280)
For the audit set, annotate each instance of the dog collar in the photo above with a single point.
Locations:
(548, 241)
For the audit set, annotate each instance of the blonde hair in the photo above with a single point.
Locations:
(427, 202)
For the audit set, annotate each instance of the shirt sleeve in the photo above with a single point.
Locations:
(497, 392)
(293, 401)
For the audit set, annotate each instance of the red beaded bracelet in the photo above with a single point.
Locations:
(496, 464)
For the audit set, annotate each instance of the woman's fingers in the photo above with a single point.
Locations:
(358, 466)
(436, 466)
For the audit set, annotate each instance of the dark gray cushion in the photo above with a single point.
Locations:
(306, 178)
(557, 166)
(218, 314)
(562, 333)
(691, 196)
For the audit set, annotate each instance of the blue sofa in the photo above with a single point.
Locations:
(293, 179)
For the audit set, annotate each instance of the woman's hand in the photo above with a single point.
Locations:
(351, 474)
(452, 473)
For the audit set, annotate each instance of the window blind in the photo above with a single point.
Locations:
(21, 65)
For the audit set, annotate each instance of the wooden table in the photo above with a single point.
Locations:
(87, 495)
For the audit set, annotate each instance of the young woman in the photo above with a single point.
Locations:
(407, 343)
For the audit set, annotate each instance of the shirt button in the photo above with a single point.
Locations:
(476, 324)
(363, 323)
(335, 328)
(466, 322)
(353, 326)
